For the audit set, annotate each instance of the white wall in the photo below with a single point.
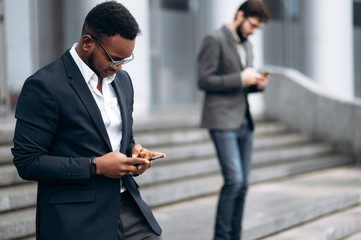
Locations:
(139, 68)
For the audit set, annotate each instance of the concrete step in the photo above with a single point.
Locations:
(271, 207)
(174, 175)
(184, 181)
(188, 136)
(195, 136)
(17, 224)
(356, 236)
(17, 197)
(265, 138)
(278, 153)
(285, 154)
(192, 134)
(29, 238)
(9, 175)
(190, 171)
(178, 183)
(263, 142)
(295, 144)
(178, 135)
(333, 227)
(165, 122)
(209, 166)
(172, 192)
(174, 122)
(273, 151)
(7, 127)
(5, 154)
(298, 167)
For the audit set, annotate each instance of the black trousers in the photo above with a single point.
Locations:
(132, 223)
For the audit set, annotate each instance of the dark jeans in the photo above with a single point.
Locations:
(234, 150)
(132, 223)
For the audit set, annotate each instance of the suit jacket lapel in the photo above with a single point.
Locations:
(248, 48)
(232, 45)
(79, 85)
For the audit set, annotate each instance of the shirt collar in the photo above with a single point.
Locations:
(234, 35)
(85, 70)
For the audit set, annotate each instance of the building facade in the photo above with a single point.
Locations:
(319, 38)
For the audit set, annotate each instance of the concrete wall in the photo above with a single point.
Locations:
(299, 102)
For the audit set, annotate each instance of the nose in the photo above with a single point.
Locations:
(118, 68)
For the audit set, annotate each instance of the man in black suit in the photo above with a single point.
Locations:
(74, 137)
(226, 75)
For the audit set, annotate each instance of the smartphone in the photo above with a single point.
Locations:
(156, 157)
(265, 72)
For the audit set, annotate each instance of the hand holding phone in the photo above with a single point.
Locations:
(265, 72)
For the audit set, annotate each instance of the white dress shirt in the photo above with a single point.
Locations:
(107, 101)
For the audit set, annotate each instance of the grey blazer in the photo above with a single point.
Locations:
(219, 75)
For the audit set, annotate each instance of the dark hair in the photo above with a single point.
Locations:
(255, 8)
(110, 18)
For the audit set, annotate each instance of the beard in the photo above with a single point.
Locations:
(239, 32)
(91, 64)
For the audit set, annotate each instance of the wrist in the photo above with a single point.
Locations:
(93, 166)
(243, 79)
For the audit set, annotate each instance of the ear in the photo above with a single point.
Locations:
(87, 43)
(240, 16)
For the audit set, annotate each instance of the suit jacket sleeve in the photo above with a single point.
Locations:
(37, 122)
(216, 67)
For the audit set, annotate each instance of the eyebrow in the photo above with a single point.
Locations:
(117, 58)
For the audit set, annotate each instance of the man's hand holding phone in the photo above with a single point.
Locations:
(262, 81)
(266, 73)
(143, 153)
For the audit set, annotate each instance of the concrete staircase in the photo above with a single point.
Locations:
(190, 176)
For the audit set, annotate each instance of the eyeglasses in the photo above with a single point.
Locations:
(115, 63)
(254, 26)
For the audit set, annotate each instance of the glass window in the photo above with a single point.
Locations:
(273, 34)
(282, 33)
(173, 52)
(3, 85)
(357, 46)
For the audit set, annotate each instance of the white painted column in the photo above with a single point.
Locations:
(139, 68)
(329, 43)
(222, 12)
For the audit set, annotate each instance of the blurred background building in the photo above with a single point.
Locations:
(321, 39)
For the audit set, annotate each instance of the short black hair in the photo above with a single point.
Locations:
(110, 18)
(255, 8)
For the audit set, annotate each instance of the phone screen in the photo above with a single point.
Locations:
(156, 157)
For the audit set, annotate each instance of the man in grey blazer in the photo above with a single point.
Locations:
(226, 75)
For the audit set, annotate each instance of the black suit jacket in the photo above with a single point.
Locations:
(59, 126)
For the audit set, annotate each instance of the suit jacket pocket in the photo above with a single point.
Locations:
(72, 197)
